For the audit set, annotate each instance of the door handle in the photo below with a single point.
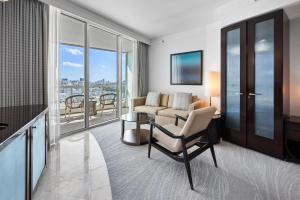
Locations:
(254, 94)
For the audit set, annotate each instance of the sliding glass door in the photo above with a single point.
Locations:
(72, 60)
(96, 74)
(103, 75)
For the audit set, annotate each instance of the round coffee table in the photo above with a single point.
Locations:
(135, 136)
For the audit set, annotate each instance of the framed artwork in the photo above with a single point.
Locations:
(186, 68)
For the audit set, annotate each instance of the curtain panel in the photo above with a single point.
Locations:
(23, 52)
(53, 77)
(143, 69)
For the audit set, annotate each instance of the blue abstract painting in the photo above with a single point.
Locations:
(186, 68)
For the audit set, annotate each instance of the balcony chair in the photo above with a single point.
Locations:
(73, 102)
(174, 141)
(107, 99)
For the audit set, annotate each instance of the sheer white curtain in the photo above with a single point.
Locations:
(133, 77)
(53, 77)
(135, 72)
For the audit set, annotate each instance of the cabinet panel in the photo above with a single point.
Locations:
(13, 170)
(38, 150)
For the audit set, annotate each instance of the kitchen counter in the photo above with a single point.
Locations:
(23, 149)
(18, 119)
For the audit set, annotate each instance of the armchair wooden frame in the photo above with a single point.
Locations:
(182, 156)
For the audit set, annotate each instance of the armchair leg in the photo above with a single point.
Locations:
(102, 107)
(149, 149)
(188, 168)
(212, 150)
(149, 140)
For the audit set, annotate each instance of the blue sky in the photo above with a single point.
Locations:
(103, 64)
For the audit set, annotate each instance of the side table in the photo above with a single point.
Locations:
(292, 139)
(214, 129)
(136, 136)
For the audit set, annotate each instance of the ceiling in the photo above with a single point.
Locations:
(158, 18)
(72, 32)
(293, 11)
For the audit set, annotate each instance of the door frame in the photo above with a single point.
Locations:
(119, 37)
(273, 147)
(237, 137)
(270, 146)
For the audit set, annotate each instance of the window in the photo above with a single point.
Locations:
(90, 72)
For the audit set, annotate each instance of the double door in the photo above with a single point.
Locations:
(253, 81)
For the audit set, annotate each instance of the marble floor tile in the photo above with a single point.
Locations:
(76, 170)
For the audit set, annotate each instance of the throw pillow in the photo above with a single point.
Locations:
(182, 100)
(153, 99)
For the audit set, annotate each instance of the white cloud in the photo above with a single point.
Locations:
(104, 66)
(74, 52)
(71, 64)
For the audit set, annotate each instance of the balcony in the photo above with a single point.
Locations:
(73, 119)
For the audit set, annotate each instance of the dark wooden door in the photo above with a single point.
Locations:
(264, 84)
(234, 90)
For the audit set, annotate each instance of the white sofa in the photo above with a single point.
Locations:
(164, 113)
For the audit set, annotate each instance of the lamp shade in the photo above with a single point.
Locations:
(213, 84)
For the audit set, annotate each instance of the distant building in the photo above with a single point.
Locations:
(64, 81)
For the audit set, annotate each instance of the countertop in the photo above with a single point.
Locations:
(19, 119)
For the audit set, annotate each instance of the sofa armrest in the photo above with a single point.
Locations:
(138, 101)
(196, 105)
(179, 117)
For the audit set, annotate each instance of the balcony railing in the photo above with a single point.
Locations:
(95, 91)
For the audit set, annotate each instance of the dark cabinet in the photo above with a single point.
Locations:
(292, 138)
(23, 150)
(255, 82)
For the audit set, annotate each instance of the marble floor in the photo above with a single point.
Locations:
(76, 170)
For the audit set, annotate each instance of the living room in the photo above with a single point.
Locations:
(186, 99)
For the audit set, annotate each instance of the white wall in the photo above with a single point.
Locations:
(159, 59)
(206, 38)
(295, 66)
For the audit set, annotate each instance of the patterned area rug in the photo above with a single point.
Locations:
(242, 174)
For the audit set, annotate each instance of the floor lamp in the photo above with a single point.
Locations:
(213, 85)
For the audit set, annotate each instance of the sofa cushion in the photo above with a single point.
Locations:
(182, 100)
(170, 112)
(153, 99)
(164, 100)
(171, 100)
(148, 109)
(194, 99)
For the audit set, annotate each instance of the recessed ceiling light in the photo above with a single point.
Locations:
(3, 0)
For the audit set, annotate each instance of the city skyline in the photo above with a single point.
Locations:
(103, 64)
